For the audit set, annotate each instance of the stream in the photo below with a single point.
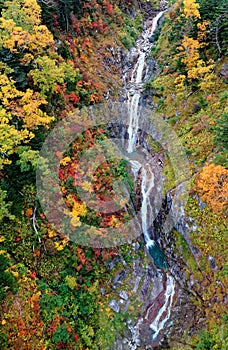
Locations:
(134, 79)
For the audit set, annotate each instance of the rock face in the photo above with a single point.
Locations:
(114, 305)
(224, 72)
(144, 289)
(154, 288)
(150, 11)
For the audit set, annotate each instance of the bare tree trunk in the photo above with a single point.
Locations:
(50, 3)
(217, 34)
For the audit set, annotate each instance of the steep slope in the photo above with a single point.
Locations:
(54, 293)
(192, 97)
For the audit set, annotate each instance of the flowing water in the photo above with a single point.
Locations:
(134, 79)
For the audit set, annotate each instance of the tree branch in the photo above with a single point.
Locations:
(34, 224)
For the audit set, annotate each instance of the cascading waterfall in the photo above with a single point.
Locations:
(133, 125)
(146, 207)
(159, 322)
(134, 80)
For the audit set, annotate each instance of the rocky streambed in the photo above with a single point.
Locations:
(152, 290)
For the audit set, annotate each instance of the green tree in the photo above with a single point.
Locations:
(221, 139)
(7, 279)
(217, 13)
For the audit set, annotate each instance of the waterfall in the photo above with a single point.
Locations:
(158, 323)
(146, 207)
(133, 106)
(134, 79)
(143, 46)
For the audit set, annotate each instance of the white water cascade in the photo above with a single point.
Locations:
(134, 79)
(159, 322)
(143, 47)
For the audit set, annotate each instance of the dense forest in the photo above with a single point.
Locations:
(58, 58)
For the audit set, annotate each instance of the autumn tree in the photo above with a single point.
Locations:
(216, 13)
(212, 186)
(7, 279)
(197, 69)
(191, 9)
(23, 110)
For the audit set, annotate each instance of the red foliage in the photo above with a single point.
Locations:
(97, 252)
(32, 275)
(76, 337)
(75, 25)
(61, 174)
(108, 8)
(95, 25)
(61, 345)
(81, 256)
(53, 326)
(74, 98)
(79, 267)
(58, 88)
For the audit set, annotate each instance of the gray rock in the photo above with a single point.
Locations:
(102, 291)
(113, 263)
(202, 205)
(122, 99)
(123, 294)
(224, 71)
(212, 262)
(136, 246)
(120, 276)
(114, 305)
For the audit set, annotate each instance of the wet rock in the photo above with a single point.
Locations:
(122, 99)
(152, 38)
(114, 305)
(136, 245)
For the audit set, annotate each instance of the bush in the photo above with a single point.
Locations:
(7, 279)
(221, 139)
(3, 341)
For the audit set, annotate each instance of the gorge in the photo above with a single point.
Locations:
(113, 174)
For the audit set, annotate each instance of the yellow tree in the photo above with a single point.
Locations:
(196, 67)
(23, 105)
(189, 51)
(22, 33)
(191, 9)
(212, 186)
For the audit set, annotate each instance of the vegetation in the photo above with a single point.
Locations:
(57, 56)
(50, 288)
(191, 93)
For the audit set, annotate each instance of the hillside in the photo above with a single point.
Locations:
(59, 58)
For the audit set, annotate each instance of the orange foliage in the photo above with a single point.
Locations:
(212, 186)
(29, 212)
(23, 323)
